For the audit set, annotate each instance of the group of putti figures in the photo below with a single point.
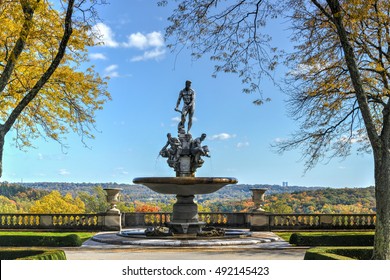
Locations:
(175, 148)
(185, 145)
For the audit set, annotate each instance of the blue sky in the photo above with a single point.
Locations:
(145, 81)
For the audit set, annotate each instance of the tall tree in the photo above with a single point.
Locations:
(95, 202)
(338, 79)
(43, 90)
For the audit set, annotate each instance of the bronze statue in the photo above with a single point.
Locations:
(171, 150)
(197, 150)
(188, 96)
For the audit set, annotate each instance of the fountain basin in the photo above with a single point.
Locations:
(185, 219)
(185, 186)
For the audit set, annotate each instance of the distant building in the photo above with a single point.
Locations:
(285, 184)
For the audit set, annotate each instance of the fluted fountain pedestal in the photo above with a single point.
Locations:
(185, 219)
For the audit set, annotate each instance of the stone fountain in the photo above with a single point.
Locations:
(185, 155)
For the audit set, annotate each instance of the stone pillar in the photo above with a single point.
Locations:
(326, 221)
(259, 221)
(46, 221)
(112, 219)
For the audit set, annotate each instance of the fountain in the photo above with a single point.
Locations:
(185, 155)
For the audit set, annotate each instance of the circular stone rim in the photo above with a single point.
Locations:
(185, 180)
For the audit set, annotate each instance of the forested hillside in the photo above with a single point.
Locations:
(90, 198)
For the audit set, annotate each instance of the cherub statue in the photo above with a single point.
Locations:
(197, 150)
(171, 150)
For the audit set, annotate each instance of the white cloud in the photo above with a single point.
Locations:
(121, 171)
(279, 140)
(137, 40)
(242, 144)
(111, 68)
(176, 119)
(151, 43)
(157, 54)
(141, 41)
(64, 172)
(105, 35)
(222, 136)
(110, 71)
(97, 56)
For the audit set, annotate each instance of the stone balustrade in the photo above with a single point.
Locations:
(322, 221)
(261, 221)
(251, 220)
(52, 221)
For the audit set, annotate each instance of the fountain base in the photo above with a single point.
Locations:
(186, 228)
(162, 233)
(185, 218)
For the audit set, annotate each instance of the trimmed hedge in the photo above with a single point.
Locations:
(310, 239)
(71, 240)
(17, 254)
(339, 253)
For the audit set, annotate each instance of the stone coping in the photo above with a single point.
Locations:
(262, 239)
(185, 186)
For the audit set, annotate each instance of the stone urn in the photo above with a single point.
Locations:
(112, 198)
(258, 199)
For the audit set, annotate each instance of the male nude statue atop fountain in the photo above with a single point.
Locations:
(188, 96)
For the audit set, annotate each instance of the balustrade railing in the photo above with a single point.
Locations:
(20, 220)
(52, 221)
(145, 219)
(263, 221)
(322, 221)
(238, 220)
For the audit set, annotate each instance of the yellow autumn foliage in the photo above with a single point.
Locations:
(68, 100)
(7, 205)
(55, 203)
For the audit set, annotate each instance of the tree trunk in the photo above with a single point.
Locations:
(379, 143)
(382, 194)
(2, 137)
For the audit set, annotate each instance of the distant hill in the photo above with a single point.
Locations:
(142, 193)
(328, 200)
(232, 198)
(243, 191)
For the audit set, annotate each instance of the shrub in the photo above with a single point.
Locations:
(313, 239)
(339, 253)
(71, 240)
(17, 254)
